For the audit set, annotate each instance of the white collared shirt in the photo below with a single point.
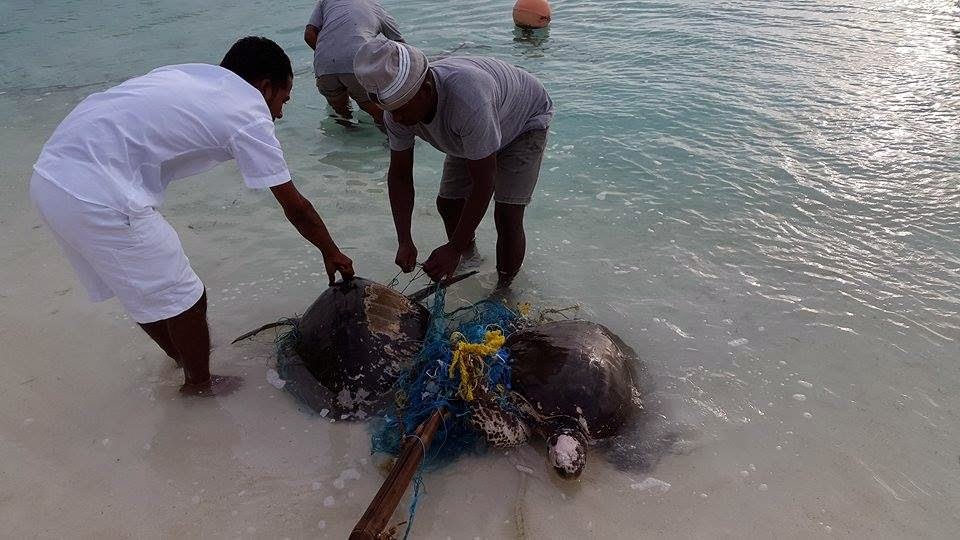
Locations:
(120, 148)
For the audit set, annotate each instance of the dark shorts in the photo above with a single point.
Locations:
(335, 85)
(518, 168)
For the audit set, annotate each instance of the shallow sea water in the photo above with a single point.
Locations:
(762, 198)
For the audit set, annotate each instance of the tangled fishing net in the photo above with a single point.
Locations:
(462, 359)
(462, 367)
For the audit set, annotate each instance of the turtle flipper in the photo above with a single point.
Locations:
(501, 427)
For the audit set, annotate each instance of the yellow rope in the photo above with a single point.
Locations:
(468, 359)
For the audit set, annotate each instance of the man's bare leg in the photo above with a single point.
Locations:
(190, 335)
(159, 333)
(450, 210)
(511, 241)
(189, 338)
(341, 106)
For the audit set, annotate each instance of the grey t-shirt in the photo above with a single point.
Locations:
(345, 25)
(483, 104)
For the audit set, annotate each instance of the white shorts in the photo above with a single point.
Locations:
(138, 259)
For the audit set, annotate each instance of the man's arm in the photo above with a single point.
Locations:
(482, 172)
(308, 223)
(443, 261)
(314, 24)
(400, 186)
(310, 36)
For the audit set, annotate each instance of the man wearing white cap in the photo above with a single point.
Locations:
(337, 28)
(490, 119)
(101, 177)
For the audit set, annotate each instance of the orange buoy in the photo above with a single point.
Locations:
(531, 13)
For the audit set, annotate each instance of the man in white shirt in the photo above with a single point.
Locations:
(101, 177)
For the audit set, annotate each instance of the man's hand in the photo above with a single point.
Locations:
(338, 262)
(442, 262)
(406, 257)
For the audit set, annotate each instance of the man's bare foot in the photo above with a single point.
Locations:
(345, 120)
(217, 385)
(504, 280)
(504, 295)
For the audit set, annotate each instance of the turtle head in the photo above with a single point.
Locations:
(565, 452)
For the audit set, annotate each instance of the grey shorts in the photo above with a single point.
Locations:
(518, 168)
(335, 85)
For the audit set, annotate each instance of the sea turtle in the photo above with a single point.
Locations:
(346, 351)
(573, 384)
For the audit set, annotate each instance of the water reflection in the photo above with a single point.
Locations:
(534, 36)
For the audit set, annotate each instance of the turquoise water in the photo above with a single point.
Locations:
(761, 197)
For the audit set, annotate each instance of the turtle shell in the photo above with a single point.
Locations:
(574, 374)
(356, 338)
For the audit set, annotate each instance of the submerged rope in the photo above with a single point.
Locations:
(395, 281)
(419, 274)
(417, 484)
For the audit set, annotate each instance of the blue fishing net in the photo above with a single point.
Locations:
(428, 385)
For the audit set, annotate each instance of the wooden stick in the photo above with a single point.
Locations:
(284, 322)
(423, 293)
(375, 519)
